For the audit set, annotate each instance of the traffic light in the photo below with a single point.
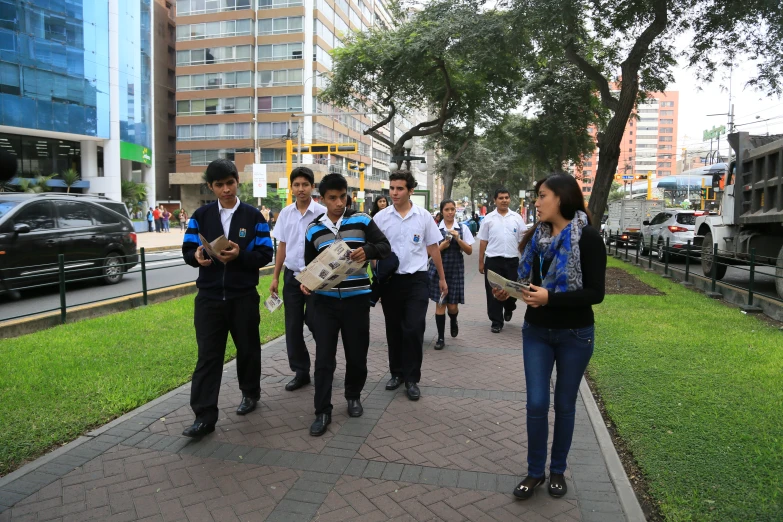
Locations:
(641, 176)
(357, 166)
(327, 148)
(618, 177)
(708, 193)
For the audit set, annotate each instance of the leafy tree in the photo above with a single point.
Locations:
(36, 185)
(70, 177)
(131, 193)
(626, 49)
(450, 59)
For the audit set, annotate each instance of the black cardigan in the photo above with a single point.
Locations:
(574, 309)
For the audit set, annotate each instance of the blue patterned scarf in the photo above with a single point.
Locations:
(565, 269)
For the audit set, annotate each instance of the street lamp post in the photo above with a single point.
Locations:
(407, 158)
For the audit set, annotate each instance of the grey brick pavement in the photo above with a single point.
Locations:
(454, 455)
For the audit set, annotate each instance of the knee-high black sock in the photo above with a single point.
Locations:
(440, 321)
(453, 317)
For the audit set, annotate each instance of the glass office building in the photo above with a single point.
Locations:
(56, 64)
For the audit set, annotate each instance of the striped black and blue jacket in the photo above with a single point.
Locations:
(237, 278)
(358, 230)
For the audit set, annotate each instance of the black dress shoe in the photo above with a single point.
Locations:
(198, 430)
(526, 488)
(246, 406)
(508, 315)
(318, 427)
(454, 328)
(297, 382)
(557, 485)
(496, 329)
(439, 344)
(393, 383)
(355, 408)
(412, 389)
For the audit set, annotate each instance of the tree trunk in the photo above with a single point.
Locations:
(448, 179)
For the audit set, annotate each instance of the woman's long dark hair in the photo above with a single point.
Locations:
(375, 208)
(567, 189)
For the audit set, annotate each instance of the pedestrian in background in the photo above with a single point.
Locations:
(456, 240)
(227, 299)
(290, 234)
(380, 203)
(166, 217)
(413, 236)
(183, 219)
(150, 219)
(499, 238)
(156, 213)
(564, 260)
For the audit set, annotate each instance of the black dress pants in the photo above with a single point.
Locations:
(349, 317)
(214, 320)
(295, 301)
(506, 267)
(405, 300)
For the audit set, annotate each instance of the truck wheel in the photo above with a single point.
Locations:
(779, 274)
(642, 246)
(706, 258)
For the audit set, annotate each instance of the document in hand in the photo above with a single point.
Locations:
(273, 302)
(330, 268)
(513, 288)
(216, 246)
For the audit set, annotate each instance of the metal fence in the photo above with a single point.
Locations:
(67, 275)
(627, 247)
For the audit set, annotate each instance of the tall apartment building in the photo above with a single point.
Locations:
(165, 105)
(76, 90)
(649, 143)
(247, 73)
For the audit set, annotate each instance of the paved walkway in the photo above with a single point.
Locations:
(454, 455)
(156, 240)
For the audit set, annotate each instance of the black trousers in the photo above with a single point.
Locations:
(214, 320)
(158, 225)
(295, 318)
(405, 299)
(350, 318)
(506, 267)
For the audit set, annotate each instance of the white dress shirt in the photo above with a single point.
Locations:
(409, 236)
(291, 228)
(225, 216)
(467, 236)
(334, 227)
(502, 234)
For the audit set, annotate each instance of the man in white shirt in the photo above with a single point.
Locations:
(414, 236)
(290, 231)
(500, 235)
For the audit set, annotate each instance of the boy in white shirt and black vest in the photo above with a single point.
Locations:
(345, 309)
(414, 236)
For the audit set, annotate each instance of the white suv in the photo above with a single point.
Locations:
(676, 225)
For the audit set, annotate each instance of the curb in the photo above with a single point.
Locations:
(27, 325)
(629, 502)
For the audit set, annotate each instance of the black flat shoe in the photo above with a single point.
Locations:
(508, 315)
(198, 430)
(412, 389)
(525, 489)
(355, 408)
(496, 329)
(246, 406)
(393, 383)
(557, 485)
(297, 382)
(318, 427)
(439, 344)
(454, 329)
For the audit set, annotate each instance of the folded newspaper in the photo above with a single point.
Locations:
(513, 288)
(330, 268)
(213, 248)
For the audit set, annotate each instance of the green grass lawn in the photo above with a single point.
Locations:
(696, 390)
(57, 384)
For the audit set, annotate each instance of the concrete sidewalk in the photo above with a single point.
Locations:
(454, 455)
(163, 240)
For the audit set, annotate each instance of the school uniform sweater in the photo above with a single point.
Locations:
(358, 230)
(249, 231)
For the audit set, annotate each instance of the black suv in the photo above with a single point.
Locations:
(94, 234)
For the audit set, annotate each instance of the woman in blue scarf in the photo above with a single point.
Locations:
(564, 261)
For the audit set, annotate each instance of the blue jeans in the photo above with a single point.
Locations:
(542, 348)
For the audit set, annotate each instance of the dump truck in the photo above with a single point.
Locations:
(626, 217)
(750, 215)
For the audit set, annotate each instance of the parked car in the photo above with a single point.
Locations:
(93, 233)
(676, 225)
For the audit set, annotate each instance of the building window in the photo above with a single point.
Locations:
(286, 51)
(321, 30)
(214, 30)
(667, 104)
(239, 53)
(215, 131)
(274, 4)
(665, 147)
(665, 164)
(275, 130)
(630, 142)
(630, 133)
(322, 56)
(666, 130)
(667, 113)
(205, 157)
(279, 103)
(225, 80)
(284, 25)
(241, 105)
(665, 138)
(665, 173)
(194, 7)
(667, 121)
(272, 155)
(280, 77)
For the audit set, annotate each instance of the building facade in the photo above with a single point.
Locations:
(165, 104)
(76, 89)
(649, 145)
(247, 76)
